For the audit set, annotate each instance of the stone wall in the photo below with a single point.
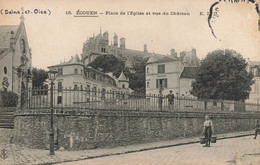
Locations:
(96, 129)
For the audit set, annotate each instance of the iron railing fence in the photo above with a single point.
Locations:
(114, 100)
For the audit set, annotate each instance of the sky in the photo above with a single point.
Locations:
(56, 37)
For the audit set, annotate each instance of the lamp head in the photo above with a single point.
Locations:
(52, 75)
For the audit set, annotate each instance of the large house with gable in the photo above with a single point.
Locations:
(172, 73)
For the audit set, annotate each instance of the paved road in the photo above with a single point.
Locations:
(237, 151)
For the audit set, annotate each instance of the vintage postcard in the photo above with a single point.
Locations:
(130, 82)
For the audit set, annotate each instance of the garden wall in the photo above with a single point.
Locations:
(77, 129)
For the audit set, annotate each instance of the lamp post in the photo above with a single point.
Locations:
(52, 77)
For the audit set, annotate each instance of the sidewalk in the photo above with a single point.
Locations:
(17, 154)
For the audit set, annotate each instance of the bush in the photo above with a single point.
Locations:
(9, 99)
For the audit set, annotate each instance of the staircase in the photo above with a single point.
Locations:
(6, 118)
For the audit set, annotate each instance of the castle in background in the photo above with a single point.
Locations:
(99, 45)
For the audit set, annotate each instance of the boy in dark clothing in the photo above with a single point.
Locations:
(160, 96)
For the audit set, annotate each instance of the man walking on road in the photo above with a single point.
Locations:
(207, 130)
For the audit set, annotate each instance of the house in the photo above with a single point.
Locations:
(171, 73)
(254, 68)
(73, 75)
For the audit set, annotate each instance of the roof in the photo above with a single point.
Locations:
(162, 60)
(75, 60)
(132, 52)
(189, 72)
(254, 63)
(5, 34)
(122, 77)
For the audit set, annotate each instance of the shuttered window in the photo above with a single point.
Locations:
(161, 68)
(161, 83)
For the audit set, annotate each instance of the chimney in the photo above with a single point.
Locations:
(145, 48)
(115, 40)
(193, 51)
(173, 53)
(122, 43)
(105, 35)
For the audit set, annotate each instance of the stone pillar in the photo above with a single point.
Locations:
(145, 48)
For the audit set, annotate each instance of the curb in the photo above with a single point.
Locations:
(145, 149)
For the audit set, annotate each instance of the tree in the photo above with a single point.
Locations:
(39, 77)
(137, 79)
(9, 99)
(223, 75)
(108, 63)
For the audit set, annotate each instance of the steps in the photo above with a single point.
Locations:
(6, 118)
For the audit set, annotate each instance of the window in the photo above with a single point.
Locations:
(147, 84)
(123, 86)
(5, 70)
(93, 76)
(214, 103)
(161, 83)
(88, 89)
(87, 74)
(59, 100)
(60, 71)
(75, 87)
(103, 49)
(76, 71)
(23, 46)
(161, 68)
(101, 78)
(94, 90)
(255, 71)
(147, 70)
(103, 93)
(29, 72)
(81, 87)
(59, 86)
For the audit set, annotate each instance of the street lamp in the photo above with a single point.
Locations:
(52, 77)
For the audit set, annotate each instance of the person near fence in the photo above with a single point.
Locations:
(170, 97)
(160, 97)
(207, 130)
(257, 128)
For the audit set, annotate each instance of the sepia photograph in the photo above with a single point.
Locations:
(148, 82)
